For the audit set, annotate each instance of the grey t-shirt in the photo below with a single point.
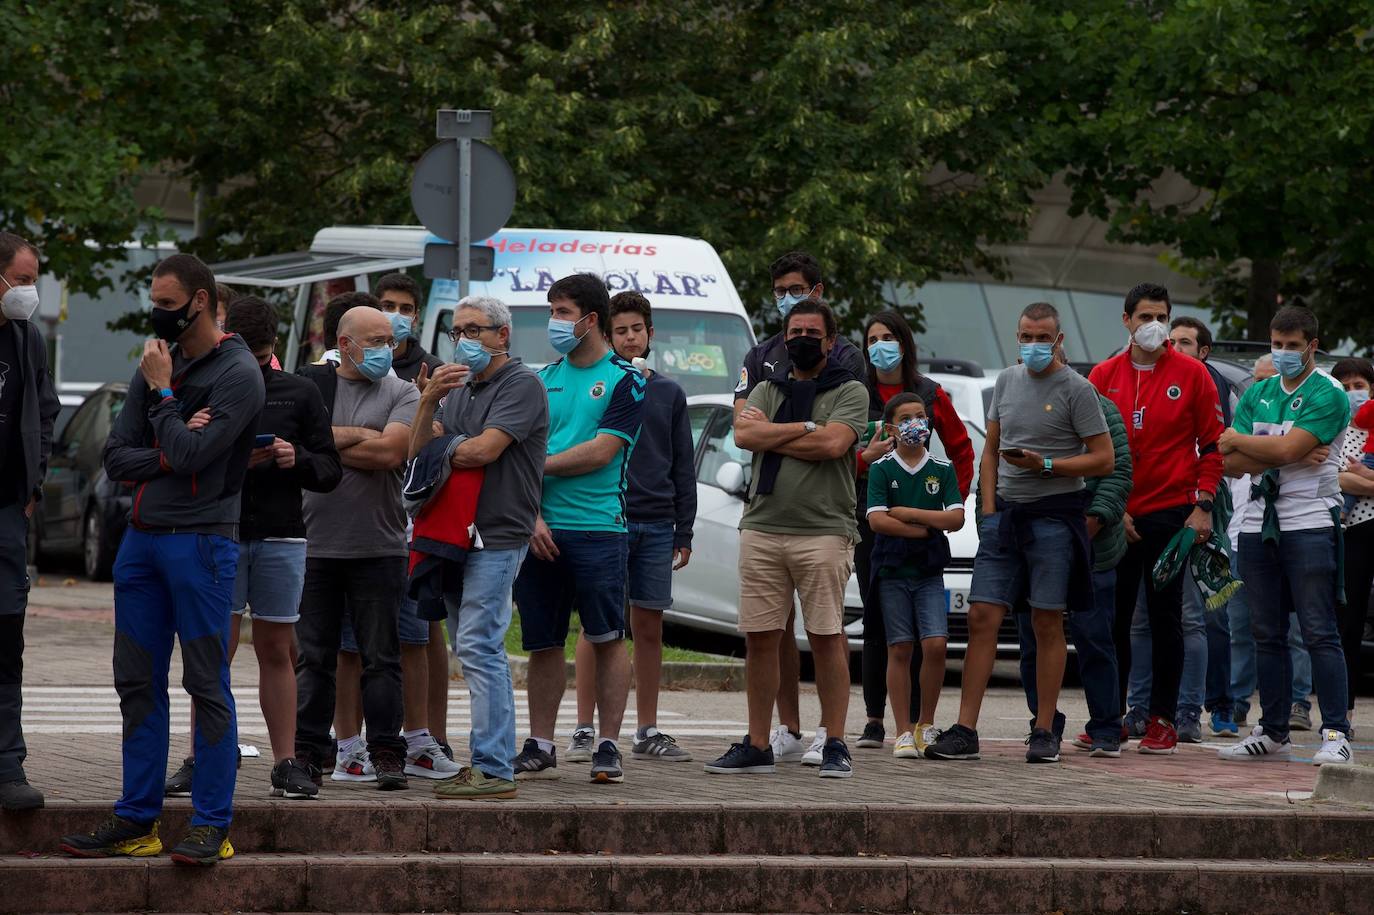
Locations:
(363, 517)
(512, 400)
(1050, 415)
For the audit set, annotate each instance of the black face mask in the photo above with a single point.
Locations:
(170, 324)
(805, 352)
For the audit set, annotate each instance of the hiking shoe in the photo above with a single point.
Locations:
(905, 747)
(958, 742)
(179, 785)
(1134, 724)
(20, 795)
(311, 769)
(815, 754)
(292, 780)
(431, 762)
(786, 746)
(1335, 750)
(926, 734)
(581, 747)
(448, 750)
(1160, 738)
(658, 745)
(606, 764)
(203, 845)
(872, 737)
(1108, 747)
(1258, 746)
(391, 770)
(474, 785)
(354, 766)
(1223, 726)
(1043, 747)
(116, 836)
(1189, 729)
(1300, 718)
(534, 762)
(837, 763)
(743, 758)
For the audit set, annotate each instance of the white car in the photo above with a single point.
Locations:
(706, 593)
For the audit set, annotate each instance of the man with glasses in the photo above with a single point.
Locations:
(356, 553)
(402, 302)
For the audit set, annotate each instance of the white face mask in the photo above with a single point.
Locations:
(19, 302)
(1151, 336)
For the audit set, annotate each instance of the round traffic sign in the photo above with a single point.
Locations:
(434, 193)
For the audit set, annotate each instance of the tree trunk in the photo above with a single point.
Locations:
(1262, 299)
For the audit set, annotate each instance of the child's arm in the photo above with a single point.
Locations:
(950, 519)
(881, 521)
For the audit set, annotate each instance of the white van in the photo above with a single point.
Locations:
(701, 329)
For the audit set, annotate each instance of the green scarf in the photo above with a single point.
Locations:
(1266, 486)
(1209, 562)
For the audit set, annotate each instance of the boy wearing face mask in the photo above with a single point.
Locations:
(1173, 421)
(402, 301)
(913, 499)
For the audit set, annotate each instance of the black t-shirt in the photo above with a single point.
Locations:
(771, 356)
(11, 401)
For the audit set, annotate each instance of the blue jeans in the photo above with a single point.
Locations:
(587, 575)
(1195, 652)
(650, 565)
(1218, 697)
(1304, 568)
(479, 624)
(1242, 648)
(1095, 652)
(1302, 664)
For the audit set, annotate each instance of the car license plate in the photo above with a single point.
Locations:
(956, 601)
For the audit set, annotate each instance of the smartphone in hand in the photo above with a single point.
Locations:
(264, 440)
(1012, 452)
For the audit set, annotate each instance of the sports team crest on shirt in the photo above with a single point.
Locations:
(933, 485)
(598, 390)
(1296, 405)
(743, 380)
(1174, 392)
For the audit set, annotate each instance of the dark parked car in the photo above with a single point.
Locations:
(82, 512)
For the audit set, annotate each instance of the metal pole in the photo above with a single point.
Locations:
(464, 215)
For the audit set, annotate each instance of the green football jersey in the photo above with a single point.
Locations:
(930, 485)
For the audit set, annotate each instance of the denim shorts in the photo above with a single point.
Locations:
(651, 565)
(587, 575)
(912, 606)
(413, 630)
(1039, 570)
(270, 578)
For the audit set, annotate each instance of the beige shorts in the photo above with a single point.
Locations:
(774, 566)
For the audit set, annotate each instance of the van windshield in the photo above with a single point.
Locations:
(701, 350)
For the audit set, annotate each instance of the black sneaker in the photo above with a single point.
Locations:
(958, 742)
(179, 785)
(19, 795)
(391, 769)
(1060, 722)
(448, 751)
(1106, 748)
(311, 768)
(203, 845)
(292, 780)
(534, 763)
(835, 762)
(606, 764)
(1043, 747)
(872, 737)
(743, 759)
(116, 836)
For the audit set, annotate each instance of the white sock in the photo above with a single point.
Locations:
(646, 732)
(545, 745)
(417, 739)
(584, 727)
(349, 744)
(607, 740)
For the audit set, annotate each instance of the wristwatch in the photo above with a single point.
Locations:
(1204, 504)
(809, 425)
(1048, 470)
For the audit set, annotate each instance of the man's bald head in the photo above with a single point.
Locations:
(1264, 368)
(363, 321)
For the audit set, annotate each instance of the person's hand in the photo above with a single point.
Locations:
(1094, 524)
(751, 415)
(1029, 460)
(422, 379)
(1227, 443)
(284, 453)
(1357, 467)
(28, 511)
(446, 377)
(877, 448)
(681, 556)
(259, 456)
(918, 531)
(1317, 456)
(199, 421)
(541, 542)
(1200, 521)
(1131, 535)
(436, 428)
(156, 364)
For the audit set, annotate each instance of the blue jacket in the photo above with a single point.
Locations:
(662, 479)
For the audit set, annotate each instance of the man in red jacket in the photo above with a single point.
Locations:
(1173, 421)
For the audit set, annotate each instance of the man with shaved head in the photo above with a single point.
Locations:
(356, 550)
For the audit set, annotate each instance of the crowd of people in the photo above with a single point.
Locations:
(376, 507)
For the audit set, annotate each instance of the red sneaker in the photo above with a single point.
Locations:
(1083, 742)
(1160, 738)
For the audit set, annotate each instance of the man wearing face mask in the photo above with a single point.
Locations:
(174, 575)
(28, 406)
(402, 302)
(1173, 421)
(499, 404)
(356, 551)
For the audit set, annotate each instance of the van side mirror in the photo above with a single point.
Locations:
(730, 477)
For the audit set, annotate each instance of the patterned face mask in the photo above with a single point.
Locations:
(914, 431)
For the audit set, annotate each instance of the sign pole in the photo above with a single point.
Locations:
(464, 215)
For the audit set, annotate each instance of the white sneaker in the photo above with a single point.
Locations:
(1335, 750)
(906, 747)
(1258, 746)
(354, 766)
(430, 762)
(815, 754)
(580, 747)
(786, 748)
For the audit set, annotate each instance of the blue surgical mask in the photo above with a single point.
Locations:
(1288, 363)
(885, 355)
(914, 431)
(1037, 356)
(376, 361)
(400, 325)
(786, 302)
(1358, 399)
(474, 355)
(563, 334)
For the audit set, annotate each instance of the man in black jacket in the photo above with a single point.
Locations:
(28, 406)
(402, 301)
(300, 455)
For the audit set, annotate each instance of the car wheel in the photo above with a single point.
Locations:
(95, 552)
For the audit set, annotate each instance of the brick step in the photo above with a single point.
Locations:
(716, 883)
(414, 825)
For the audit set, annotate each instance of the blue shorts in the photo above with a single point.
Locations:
(912, 606)
(413, 630)
(269, 581)
(651, 565)
(1004, 576)
(587, 575)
